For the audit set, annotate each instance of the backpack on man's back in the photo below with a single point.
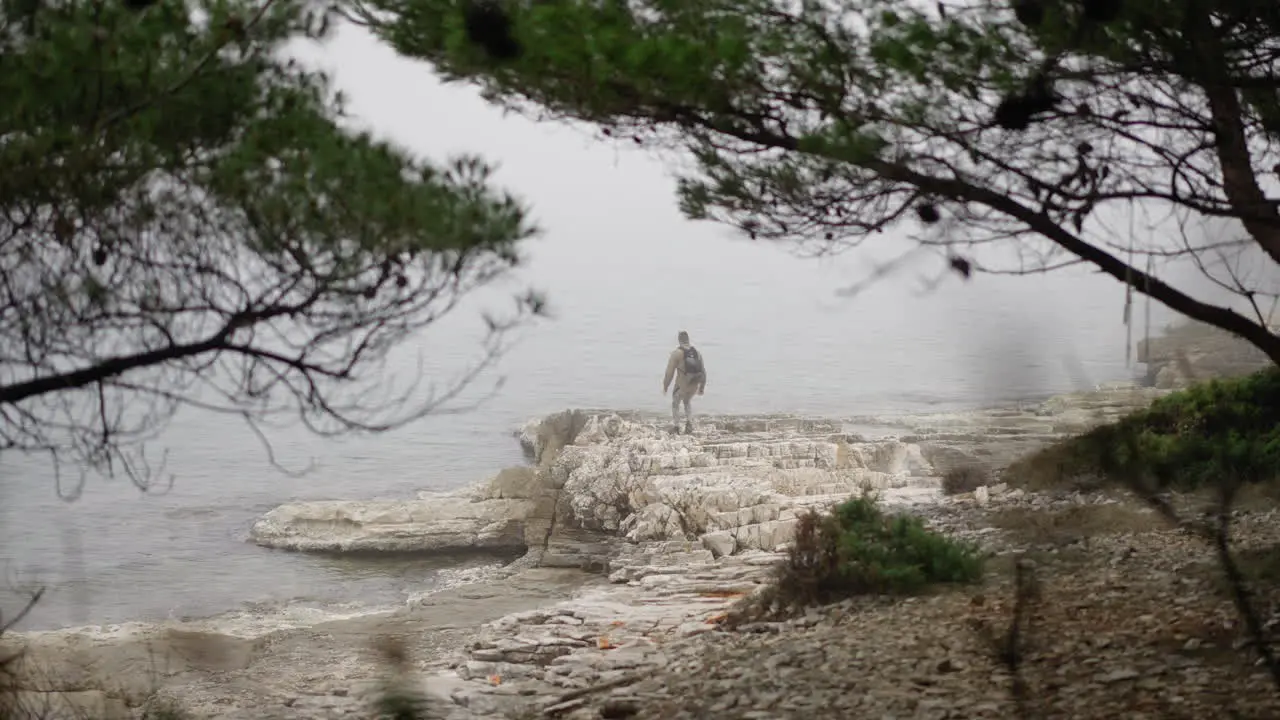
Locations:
(692, 362)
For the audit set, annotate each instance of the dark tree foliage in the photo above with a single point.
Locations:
(1045, 125)
(184, 222)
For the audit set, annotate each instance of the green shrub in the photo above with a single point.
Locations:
(964, 478)
(857, 549)
(1222, 430)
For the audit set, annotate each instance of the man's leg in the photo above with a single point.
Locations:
(688, 415)
(675, 410)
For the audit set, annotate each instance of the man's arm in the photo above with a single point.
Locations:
(671, 370)
(702, 386)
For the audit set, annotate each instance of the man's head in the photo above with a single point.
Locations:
(683, 338)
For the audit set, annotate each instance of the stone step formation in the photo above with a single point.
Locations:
(737, 484)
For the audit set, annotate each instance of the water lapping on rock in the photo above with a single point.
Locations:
(737, 484)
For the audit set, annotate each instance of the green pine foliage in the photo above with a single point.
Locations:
(1037, 126)
(858, 549)
(183, 205)
(1214, 433)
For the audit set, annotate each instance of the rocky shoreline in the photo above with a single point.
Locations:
(598, 476)
(637, 545)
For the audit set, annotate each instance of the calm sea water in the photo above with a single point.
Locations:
(624, 273)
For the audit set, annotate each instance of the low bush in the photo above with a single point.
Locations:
(964, 478)
(856, 549)
(1222, 430)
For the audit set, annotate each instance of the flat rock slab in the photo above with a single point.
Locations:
(441, 524)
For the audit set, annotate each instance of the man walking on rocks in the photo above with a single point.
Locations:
(686, 366)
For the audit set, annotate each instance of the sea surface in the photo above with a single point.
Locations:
(624, 272)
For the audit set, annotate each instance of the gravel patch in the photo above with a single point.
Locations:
(1128, 625)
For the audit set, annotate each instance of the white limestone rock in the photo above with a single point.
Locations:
(720, 543)
(440, 524)
(608, 473)
(631, 478)
(737, 484)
